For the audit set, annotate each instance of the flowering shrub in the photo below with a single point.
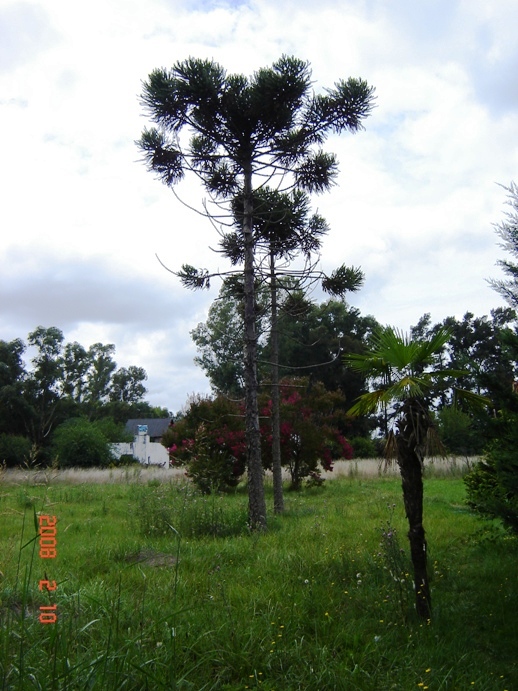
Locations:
(312, 422)
(210, 440)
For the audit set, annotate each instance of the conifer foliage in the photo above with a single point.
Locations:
(242, 134)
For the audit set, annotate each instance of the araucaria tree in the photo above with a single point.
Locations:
(246, 132)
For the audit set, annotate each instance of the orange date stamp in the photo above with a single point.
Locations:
(48, 550)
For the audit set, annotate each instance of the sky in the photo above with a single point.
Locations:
(414, 205)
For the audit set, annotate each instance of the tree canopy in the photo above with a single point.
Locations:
(244, 133)
(63, 381)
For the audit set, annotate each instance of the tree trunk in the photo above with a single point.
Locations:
(278, 498)
(409, 435)
(256, 500)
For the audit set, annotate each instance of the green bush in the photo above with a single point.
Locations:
(457, 434)
(81, 443)
(492, 485)
(14, 450)
(211, 469)
(113, 431)
(364, 447)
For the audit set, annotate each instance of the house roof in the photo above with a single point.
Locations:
(155, 426)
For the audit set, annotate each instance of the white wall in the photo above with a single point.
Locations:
(147, 452)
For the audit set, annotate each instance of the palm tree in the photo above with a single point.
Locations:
(408, 375)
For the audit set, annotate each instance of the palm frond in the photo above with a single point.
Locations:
(473, 400)
(367, 363)
(369, 402)
(429, 349)
(410, 387)
(390, 450)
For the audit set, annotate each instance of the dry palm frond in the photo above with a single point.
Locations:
(390, 452)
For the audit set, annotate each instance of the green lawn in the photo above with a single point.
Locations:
(161, 588)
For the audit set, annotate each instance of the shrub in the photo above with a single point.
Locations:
(211, 467)
(312, 421)
(79, 442)
(364, 447)
(210, 438)
(14, 450)
(113, 431)
(492, 485)
(210, 441)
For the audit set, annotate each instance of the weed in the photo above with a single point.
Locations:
(397, 567)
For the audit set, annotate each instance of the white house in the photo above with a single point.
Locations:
(144, 447)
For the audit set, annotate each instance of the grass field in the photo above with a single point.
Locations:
(161, 588)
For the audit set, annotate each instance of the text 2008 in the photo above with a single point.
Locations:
(48, 550)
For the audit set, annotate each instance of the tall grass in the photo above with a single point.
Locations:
(162, 588)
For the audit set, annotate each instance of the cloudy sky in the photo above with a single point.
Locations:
(82, 219)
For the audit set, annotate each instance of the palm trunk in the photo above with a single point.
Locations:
(256, 500)
(411, 431)
(278, 498)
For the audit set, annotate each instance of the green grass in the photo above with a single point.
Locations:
(161, 588)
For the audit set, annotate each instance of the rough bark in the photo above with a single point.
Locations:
(256, 499)
(278, 497)
(411, 432)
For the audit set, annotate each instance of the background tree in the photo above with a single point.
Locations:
(220, 343)
(76, 362)
(65, 381)
(507, 231)
(409, 374)
(311, 338)
(245, 131)
(126, 384)
(99, 375)
(43, 384)
(485, 349)
(14, 408)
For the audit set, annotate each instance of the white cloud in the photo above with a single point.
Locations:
(83, 219)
